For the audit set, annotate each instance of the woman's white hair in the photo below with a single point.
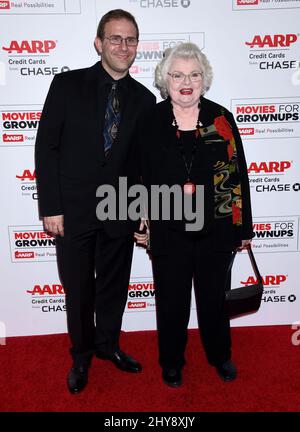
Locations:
(186, 50)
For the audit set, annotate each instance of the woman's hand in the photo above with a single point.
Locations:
(244, 245)
(142, 236)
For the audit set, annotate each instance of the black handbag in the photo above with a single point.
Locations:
(244, 300)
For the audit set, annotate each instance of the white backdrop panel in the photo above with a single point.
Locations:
(253, 47)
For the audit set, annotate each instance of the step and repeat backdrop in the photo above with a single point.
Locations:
(253, 46)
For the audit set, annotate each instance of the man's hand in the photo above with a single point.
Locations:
(142, 236)
(54, 224)
(244, 245)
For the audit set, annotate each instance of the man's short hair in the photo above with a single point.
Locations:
(115, 14)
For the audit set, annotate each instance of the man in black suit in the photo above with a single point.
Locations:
(73, 157)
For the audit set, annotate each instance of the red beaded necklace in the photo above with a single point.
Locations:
(188, 187)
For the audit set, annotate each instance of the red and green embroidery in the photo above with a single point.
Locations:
(228, 196)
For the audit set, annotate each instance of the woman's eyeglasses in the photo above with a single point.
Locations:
(179, 77)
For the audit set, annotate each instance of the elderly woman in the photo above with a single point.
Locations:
(194, 141)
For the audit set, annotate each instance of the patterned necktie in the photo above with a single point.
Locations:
(112, 119)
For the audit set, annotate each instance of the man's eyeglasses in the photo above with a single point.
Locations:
(179, 77)
(117, 40)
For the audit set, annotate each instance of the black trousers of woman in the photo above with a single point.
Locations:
(191, 258)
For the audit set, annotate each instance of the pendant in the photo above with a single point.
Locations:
(189, 188)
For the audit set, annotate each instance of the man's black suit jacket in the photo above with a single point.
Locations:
(70, 161)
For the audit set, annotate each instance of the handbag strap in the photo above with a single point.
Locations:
(253, 263)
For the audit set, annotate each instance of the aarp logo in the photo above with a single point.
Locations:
(273, 41)
(30, 47)
(4, 5)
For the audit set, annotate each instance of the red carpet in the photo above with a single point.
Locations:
(33, 376)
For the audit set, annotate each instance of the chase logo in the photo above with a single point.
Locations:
(163, 3)
(185, 3)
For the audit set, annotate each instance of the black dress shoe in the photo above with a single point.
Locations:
(122, 361)
(227, 371)
(77, 379)
(172, 377)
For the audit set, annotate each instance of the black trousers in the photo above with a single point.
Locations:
(191, 258)
(95, 271)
